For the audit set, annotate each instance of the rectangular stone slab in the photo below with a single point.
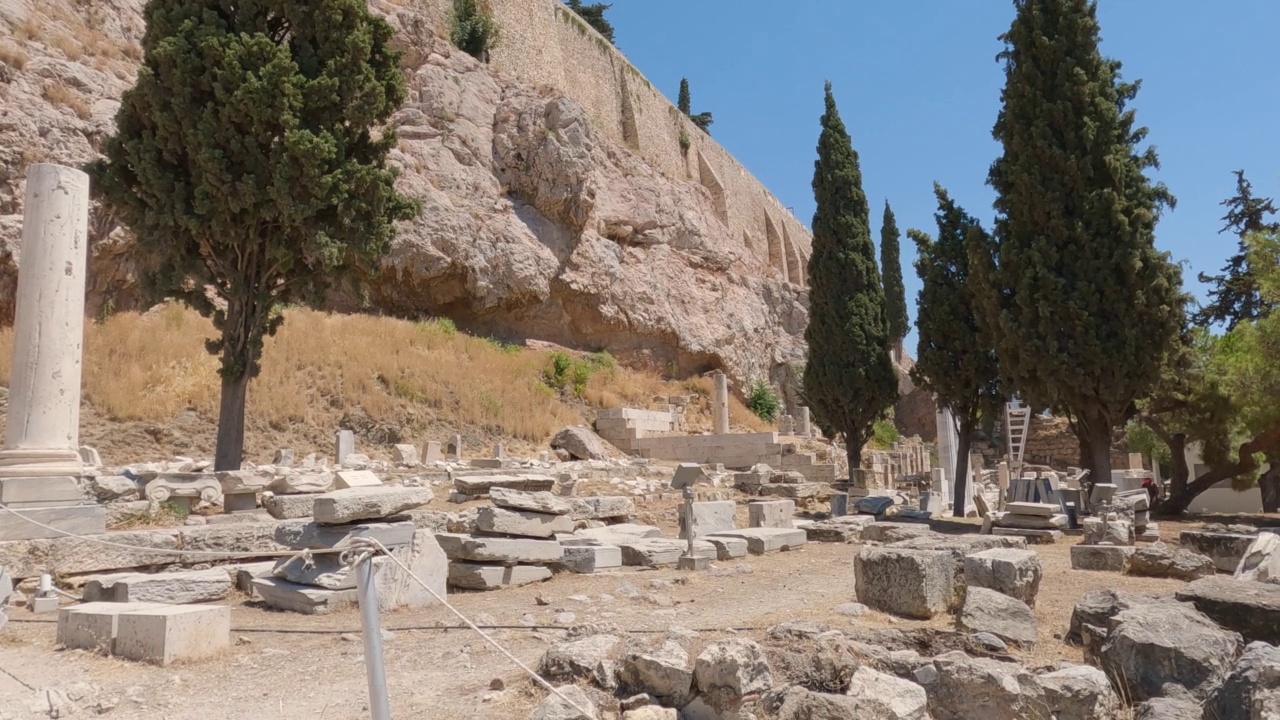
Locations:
(908, 583)
(1250, 608)
(1105, 558)
(1032, 522)
(92, 626)
(300, 535)
(182, 632)
(284, 595)
(289, 507)
(480, 484)
(708, 517)
(77, 520)
(1030, 508)
(355, 478)
(771, 513)
(763, 540)
(1225, 549)
(590, 558)
(368, 503)
(501, 521)
(23, 492)
(602, 508)
(495, 549)
(194, 586)
(1035, 537)
(728, 548)
(473, 576)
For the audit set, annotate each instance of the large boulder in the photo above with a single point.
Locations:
(1226, 549)
(1251, 691)
(1160, 560)
(1081, 692)
(585, 659)
(885, 696)
(910, 583)
(1250, 608)
(1015, 573)
(1008, 618)
(1150, 646)
(663, 672)
(580, 443)
(1173, 708)
(960, 687)
(730, 669)
(1097, 607)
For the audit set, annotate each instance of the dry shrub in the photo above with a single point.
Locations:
(69, 46)
(31, 28)
(12, 56)
(60, 94)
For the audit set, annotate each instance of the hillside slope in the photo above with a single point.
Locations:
(534, 225)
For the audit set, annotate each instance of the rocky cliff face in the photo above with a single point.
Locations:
(534, 225)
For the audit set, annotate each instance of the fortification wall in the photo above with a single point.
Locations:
(542, 42)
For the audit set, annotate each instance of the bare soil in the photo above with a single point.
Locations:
(284, 665)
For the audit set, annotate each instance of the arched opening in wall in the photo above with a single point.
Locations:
(630, 129)
(712, 183)
(794, 272)
(776, 257)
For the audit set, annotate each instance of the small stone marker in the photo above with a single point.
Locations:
(688, 475)
(839, 504)
(431, 452)
(355, 478)
(405, 454)
(453, 451)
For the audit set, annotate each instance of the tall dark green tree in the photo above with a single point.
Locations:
(594, 15)
(683, 102)
(1080, 305)
(895, 295)
(250, 165)
(954, 359)
(849, 379)
(1234, 295)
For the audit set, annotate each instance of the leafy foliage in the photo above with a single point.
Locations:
(246, 163)
(475, 31)
(703, 119)
(849, 380)
(884, 434)
(1235, 297)
(954, 359)
(594, 15)
(564, 372)
(895, 294)
(763, 401)
(1080, 306)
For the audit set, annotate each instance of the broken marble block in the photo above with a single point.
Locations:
(1107, 558)
(164, 635)
(728, 548)
(355, 478)
(764, 540)
(368, 503)
(474, 576)
(585, 559)
(708, 517)
(771, 513)
(302, 483)
(404, 454)
(602, 508)
(908, 583)
(306, 599)
(289, 507)
(541, 501)
(305, 535)
(175, 588)
(1011, 572)
(500, 521)
(500, 550)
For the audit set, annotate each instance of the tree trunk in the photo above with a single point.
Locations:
(1182, 493)
(1094, 434)
(959, 487)
(853, 451)
(1269, 483)
(230, 451)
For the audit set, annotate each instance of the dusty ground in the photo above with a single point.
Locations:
(290, 666)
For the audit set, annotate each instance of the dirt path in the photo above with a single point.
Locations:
(290, 666)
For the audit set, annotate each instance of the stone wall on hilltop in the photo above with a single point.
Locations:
(558, 203)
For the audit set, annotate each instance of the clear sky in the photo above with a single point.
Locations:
(919, 88)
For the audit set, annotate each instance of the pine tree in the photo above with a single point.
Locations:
(594, 15)
(1235, 295)
(247, 165)
(895, 295)
(684, 103)
(954, 360)
(1080, 305)
(849, 379)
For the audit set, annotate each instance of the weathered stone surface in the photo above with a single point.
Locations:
(1097, 608)
(872, 504)
(302, 483)
(1160, 560)
(1033, 536)
(1261, 562)
(501, 521)
(656, 552)
(688, 475)
(1115, 531)
(889, 532)
(113, 488)
(504, 550)
(770, 513)
(602, 508)
(423, 556)
(884, 696)
(587, 659)
(1006, 617)
(580, 443)
(305, 535)
(346, 479)
(1030, 508)
(289, 507)
(651, 712)
(1030, 522)
(802, 704)
(1249, 608)
(404, 454)
(473, 576)
(175, 588)
(625, 531)
(1104, 558)
(663, 672)
(1251, 691)
(763, 540)
(482, 484)
(1081, 692)
(323, 571)
(590, 558)
(960, 687)
(794, 491)
(1148, 646)
(844, 529)
(729, 669)
(1224, 548)
(708, 518)
(1168, 709)
(284, 595)
(728, 548)
(368, 503)
(541, 502)
(554, 707)
(1015, 573)
(163, 635)
(910, 583)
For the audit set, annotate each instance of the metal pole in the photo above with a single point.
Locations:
(379, 707)
(688, 519)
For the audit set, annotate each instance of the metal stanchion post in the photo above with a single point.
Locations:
(379, 706)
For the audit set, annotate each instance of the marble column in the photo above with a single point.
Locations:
(802, 422)
(40, 462)
(42, 434)
(720, 403)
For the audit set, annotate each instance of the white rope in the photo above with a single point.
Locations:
(373, 542)
(164, 551)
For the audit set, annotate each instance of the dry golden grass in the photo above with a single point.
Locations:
(12, 56)
(63, 96)
(151, 367)
(70, 47)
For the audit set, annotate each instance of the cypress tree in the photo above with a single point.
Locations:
(683, 102)
(849, 379)
(954, 359)
(1080, 305)
(594, 15)
(895, 295)
(247, 165)
(1234, 297)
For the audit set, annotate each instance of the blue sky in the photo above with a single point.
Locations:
(919, 88)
